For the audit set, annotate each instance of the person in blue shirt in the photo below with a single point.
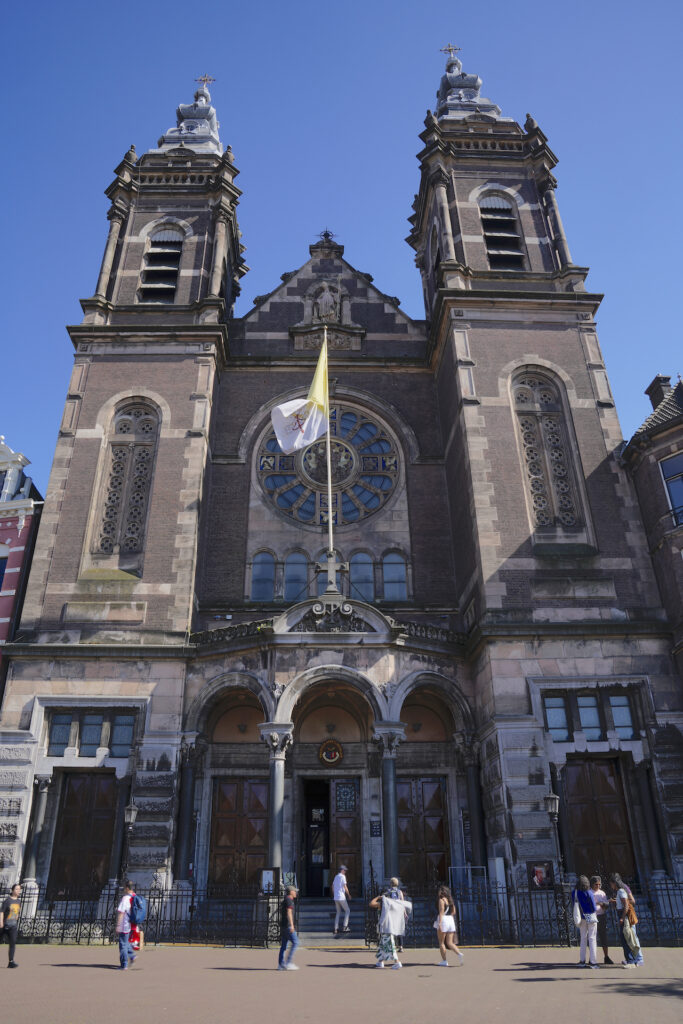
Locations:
(589, 922)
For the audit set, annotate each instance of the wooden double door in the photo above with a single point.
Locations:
(84, 837)
(599, 831)
(332, 834)
(423, 841)
(239, 832)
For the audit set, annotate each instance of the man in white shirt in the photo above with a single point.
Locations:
(123, 926)
(341, 895)
(601, 903)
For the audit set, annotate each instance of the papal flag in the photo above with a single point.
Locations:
(302, 421)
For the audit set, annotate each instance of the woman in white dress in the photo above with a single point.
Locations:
(445, 926)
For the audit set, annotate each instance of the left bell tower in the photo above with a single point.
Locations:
(118, 549)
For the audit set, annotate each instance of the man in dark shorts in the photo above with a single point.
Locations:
(602, 903)
(287, 931)
(9, 921)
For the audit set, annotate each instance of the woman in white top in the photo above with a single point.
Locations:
(445, 926)
(633, 957)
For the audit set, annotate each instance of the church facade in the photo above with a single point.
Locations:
(495, 632)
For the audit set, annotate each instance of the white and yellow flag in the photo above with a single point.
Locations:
(302, 421)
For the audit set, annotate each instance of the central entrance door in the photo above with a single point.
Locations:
(332, 834)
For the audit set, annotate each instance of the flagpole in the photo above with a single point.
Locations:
(331, 574)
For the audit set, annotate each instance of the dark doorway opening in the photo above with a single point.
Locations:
(316, 837)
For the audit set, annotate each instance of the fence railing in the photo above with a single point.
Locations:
(493, 914)
(487, 914)
(179, 915)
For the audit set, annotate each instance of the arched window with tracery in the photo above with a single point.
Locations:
(296, 577)
(362, 577)
(131, 456)
(548, 460)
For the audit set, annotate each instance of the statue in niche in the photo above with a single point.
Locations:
(326, 305)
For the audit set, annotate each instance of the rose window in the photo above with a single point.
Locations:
(365, 467)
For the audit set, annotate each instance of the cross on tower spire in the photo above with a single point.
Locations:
(451, 50)
(205, 80)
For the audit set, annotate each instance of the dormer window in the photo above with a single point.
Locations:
(501, 233)
(159, 278)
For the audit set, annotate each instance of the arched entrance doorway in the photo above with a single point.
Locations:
(330, 784)
(427, 798)
(236, 793)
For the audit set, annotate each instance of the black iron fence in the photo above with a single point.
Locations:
(492, 914)
(487, 914)
(182, 915)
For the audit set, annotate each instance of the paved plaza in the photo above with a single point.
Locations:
(183, 985)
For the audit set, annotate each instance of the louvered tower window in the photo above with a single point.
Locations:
(501, 234)
(159, 278)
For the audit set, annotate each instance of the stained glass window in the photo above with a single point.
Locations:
(365, 468)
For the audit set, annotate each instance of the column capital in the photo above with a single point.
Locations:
(277, 736)
(468, 747)
(388, 735)
(43, 782)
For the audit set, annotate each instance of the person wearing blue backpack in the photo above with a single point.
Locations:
(130, 911)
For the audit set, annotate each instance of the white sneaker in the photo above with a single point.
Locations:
(379, 965)
(460, 959)
(397, 966)
(444, 963)
(291, 967)
(627, 967)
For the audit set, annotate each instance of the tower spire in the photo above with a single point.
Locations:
(459, 94)
(196, 123)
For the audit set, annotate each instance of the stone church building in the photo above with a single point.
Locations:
(497, 631)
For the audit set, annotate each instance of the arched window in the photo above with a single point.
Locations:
(263, 577)
(547, 454)
(395, 577)
(362, 578)
(501, 233)
(159, 278)
(296, 577)
(321, 582)
(131, 456)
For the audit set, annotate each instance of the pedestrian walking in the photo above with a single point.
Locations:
(588, 924)
(341, 896)
(123, 926)
(395, 893)
(625, 906)
(288, 934)
(9, 921)
(445, 926)
(601, 904)
(392, 921)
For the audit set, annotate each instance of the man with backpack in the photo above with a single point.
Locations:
(130, 911)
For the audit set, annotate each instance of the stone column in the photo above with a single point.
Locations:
(116, 220)
(440, 183)
(561, 244)
(642, 772)
(277, 736)
(220, 248)
(185, 809)
(470, 750)
(115, 861)
(43, 785)
(557, 786)
(389, 735)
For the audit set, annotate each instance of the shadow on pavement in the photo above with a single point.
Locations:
(89, 967)
(241, 969)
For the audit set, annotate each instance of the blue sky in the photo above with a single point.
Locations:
(322, 105)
